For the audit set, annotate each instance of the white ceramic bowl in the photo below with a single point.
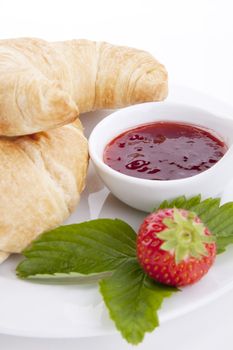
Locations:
(146, 194)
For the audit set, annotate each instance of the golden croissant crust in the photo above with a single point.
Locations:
(45, 85)
(41, 179)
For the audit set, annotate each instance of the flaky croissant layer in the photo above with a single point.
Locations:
(42, 177)
(45, 85)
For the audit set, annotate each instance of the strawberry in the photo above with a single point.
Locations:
(174, 247)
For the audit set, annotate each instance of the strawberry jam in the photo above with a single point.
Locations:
(164, 151)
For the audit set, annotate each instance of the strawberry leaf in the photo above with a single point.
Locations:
(103, 250)
(218, 218)
(133, 299)
(91, 247)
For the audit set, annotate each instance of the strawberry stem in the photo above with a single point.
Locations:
(184, 236)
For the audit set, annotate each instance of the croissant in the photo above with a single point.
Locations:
(41, 178)
(45, 85)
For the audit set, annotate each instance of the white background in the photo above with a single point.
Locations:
(193, 38)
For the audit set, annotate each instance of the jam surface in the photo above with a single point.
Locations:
(164, 151)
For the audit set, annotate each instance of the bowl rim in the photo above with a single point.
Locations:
(152, 183)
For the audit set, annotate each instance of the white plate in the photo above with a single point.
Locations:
(62, 311)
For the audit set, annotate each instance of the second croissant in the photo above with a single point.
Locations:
(46, 85)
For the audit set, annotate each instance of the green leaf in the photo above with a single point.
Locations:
(87, 248)
(69, 278)
(133, 299)
(181, 202)
(219, 219)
